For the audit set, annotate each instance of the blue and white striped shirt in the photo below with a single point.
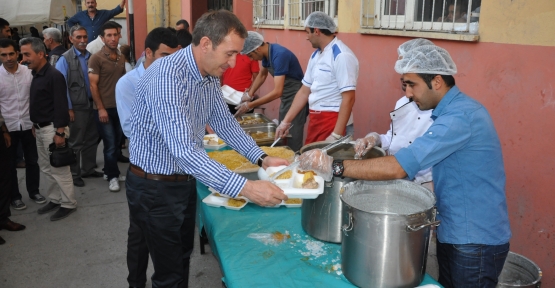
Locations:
(173, 105)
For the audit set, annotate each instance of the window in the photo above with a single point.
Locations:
(300, 9)
(220, 4)
(268, 12)
(422, 15)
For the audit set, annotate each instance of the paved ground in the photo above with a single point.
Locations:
(88, 249)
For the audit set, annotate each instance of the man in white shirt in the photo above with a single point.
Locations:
(329, 83)
(15, 85)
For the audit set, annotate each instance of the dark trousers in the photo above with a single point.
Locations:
(5, 181)
(470, 265)
(162, 215)
(111, 134)
(83, 137)
(32, 171)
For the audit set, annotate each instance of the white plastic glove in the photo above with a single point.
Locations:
(246, 97)
(317, 161)
(363, 145)
(242, 109)
(333, 137)
(282, 129)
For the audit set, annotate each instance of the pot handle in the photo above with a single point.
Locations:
(347, 228)
(413, 228)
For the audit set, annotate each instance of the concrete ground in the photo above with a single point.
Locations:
(88, 249)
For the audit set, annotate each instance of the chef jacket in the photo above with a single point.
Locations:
(408, 122)
(329, 73)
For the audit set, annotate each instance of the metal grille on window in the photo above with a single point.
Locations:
(454, 16)
(220, 4)
(300, 9)
(268, 12)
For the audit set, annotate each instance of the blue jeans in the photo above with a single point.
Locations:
(111, 134)
(470, 265)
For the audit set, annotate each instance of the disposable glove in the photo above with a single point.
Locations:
(317, 161)
(242, 109)
(333, 137)
(246, 97)
(363, 145)
(282, 129)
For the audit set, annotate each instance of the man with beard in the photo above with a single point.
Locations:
(105, 69)
(82, 126)
(93, 19)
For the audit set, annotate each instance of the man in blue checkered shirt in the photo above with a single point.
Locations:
(176, 97)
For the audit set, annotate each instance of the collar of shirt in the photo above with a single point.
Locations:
(42, 70)
(328, 47)
(447, 98)
(78, 53)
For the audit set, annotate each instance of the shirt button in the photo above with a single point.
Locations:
(395, 134)
(418, 118)
(410, 142)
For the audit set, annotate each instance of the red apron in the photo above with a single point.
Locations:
(320, 125)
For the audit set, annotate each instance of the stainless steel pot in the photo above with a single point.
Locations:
(321, 217)
(386, 227)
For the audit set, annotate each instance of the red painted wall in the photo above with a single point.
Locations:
(139, 14)
(514, 82)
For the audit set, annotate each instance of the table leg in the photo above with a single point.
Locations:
(203, 240)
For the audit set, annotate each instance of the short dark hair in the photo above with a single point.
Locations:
(324, 31)
(36, 44)
(160, 35)
(4, 23)
(6, 42)
(184, 38)
(109, 25)
(184, 22)
(216, 25)
(449, 79)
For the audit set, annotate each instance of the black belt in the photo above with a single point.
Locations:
(43, 124)
(158, 177)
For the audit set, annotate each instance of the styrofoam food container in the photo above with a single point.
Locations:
(219, 201)
(291, 187)
(231, 96)
(213, 147)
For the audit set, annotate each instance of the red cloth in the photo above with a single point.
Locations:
(240, 76)
(320, 125)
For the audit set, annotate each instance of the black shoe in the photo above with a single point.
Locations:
(123, 159)
(11, 226)
(49, 207)
(94, 174)
(39, 199)
(62, 213)
(18, 205)
(78, 182)
(2, 241)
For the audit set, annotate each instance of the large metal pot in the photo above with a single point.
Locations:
(321, 217)
(386, 232)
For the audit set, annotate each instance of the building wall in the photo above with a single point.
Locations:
(509, 70)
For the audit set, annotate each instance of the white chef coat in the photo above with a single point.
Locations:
(15, 92)
(328, 74)
(408, 122)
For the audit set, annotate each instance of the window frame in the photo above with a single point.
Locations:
(330, 8)
(258, 18)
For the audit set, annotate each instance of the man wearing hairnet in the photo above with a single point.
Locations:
(408, 122)
(284, 66)
(464, 151)
(329, 83)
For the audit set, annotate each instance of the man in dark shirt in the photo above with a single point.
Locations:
(48, 109)
(53, 42)
(92, 19)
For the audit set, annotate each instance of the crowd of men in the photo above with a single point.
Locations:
(166, 103)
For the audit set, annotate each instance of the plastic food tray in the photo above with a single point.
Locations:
(221, 201)
(241, 197)
(291, 187)
(287, 205)
(213, 147)
(231, 96)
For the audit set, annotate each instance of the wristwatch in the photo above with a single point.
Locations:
(261, 159)
(63, 134)
(337, 168)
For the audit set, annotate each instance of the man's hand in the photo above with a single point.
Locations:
(122, 5)
(103, 116)
(263, 193)
(242, 109)
(363, 145)
(60, 141)
(317, 161)
(33, 130)
(71, 115)
(246, 97)
(8, 140)
(282, 130)
(273, 162)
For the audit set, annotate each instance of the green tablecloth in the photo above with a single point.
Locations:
(300, 261)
